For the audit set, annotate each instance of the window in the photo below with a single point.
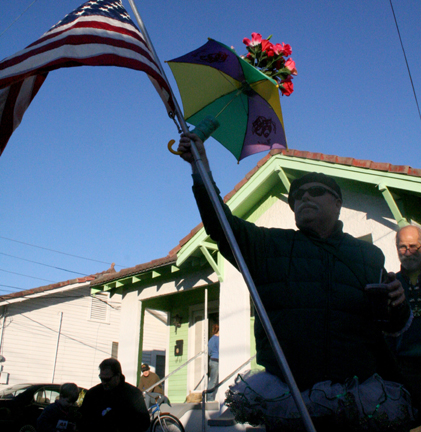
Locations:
(99, 307)
(160, 367)
(52, 395)
(46, 395)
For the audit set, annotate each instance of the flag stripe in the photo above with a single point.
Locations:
(59, 52)
(14, 104)
(27, 92)
(98, 33)
(85, 34)
(87, 22)
(7, 119)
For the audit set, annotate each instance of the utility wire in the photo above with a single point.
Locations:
(10, 25)
(64, 297)
(56, 251)
(406, 60)
(63, 334)
(10, 286)
(108, 302)
(32, 277)
(46, 265)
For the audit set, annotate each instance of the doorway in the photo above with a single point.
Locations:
(199, 334)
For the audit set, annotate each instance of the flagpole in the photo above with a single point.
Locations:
(280, 356)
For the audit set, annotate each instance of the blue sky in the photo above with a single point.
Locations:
(88, 173)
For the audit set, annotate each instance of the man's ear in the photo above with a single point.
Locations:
(338, 205)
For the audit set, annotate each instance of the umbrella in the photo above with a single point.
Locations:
(214, 81)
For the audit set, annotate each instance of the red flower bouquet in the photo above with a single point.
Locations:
(271, 59)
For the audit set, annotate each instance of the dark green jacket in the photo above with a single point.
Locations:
(408, 344)
(314, 300)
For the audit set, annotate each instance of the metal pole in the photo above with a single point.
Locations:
(205, 339)
(280, 356)
(58, 341)
(2, 328)
(174, 371)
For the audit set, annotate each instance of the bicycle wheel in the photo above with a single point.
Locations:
(169, 423)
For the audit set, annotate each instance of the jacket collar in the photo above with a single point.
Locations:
(405, 275)
(335, 237)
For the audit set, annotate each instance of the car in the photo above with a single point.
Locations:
(22, 404)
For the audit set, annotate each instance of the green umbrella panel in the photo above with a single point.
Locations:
(213, 80)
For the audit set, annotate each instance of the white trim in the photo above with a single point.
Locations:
(167, 357)
(25, 297)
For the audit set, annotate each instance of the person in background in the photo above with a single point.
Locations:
(113, 405)
(213, 352)
(62, 414)
(146, 381)
(407, 346)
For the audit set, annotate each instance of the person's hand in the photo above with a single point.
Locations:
(396, 291)
(184, 147)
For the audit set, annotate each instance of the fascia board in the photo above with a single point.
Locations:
(256, 183)
(365, 175)
(191, 246)
(258, 186)
(45, 293)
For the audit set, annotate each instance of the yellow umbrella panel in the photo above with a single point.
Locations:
(214, 80)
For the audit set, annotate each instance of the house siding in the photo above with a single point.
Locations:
(31, 333)
(177, 389)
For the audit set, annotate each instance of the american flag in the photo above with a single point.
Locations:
(98, 33)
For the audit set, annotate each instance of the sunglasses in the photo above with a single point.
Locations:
(314, 191)
(106, 380)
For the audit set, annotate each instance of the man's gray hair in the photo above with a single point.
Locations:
(417, 227)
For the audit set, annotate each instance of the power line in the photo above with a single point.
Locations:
(33, 277)
(406, 60)
(56, 251)
(63, 334)
(108, 302)
(10, 25)
(10, 286)
(46, 265)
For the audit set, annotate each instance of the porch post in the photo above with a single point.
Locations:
(234, 325)
(205, 340)
(128, 346)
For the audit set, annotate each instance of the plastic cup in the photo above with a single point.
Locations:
(378, 295)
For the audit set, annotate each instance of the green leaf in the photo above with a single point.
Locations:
(283, 75)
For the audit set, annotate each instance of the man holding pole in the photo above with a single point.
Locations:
(312, 285)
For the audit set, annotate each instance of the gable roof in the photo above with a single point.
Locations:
(294, 163)
(70, 284)
(137, 269)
